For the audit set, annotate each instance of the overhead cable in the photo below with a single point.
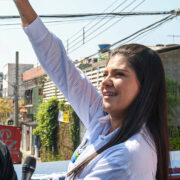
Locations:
(93, 25)
(98, 25)
(107, 28)
(141, 31)
(96, 18)
(95, 14)
(54, 21)
(150, 29)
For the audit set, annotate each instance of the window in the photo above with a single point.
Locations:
(28, 96)
(40, 92)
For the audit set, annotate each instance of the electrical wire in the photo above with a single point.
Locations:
(160, 21)
(94, 26)
(95, 18)
(74, 20)
(100, 17)
(92, 14)
(152, 28)
(97, 28)
(156, 24)
(91, 27)
(107, 28)
(97, 23)
(51, 22)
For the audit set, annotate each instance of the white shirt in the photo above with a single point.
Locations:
(135, 159)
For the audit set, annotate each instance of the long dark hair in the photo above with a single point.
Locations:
(149, 107)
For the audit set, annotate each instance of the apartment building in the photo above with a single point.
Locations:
(9, 79)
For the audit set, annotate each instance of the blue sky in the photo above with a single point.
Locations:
(12, 38)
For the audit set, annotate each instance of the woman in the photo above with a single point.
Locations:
(127, 136)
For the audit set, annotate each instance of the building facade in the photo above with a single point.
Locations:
(1, 84)
(171, 61)
(9, 79)
(33, 81)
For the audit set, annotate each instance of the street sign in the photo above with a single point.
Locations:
(63, 116)
(11, 136)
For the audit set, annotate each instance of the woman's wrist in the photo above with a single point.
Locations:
(28, 15)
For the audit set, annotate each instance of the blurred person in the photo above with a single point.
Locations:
(127, 132)
(7, 171)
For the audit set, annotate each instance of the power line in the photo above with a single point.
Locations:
(150, 29)
(100, 17)
(139, 32)
(120, 14)
(95, 18)
(94, 14)
(124, 14)
(58, 21)
(173, 13)
(150, 26)
(74, 38)
(114, 23)
(174, 36)
(98, 24)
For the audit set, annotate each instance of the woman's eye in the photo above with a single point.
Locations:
(104, 75)
(119, 74)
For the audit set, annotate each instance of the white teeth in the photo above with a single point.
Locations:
(109, 94)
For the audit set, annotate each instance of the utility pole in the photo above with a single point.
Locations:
(173, 36)
(16, 89)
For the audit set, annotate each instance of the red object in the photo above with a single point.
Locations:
(175, 177)
(176, 170)
(11, 136)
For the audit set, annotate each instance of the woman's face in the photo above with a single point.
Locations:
(119, 87)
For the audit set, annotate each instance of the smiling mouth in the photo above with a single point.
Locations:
(109, 94)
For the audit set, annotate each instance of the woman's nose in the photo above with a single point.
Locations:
(107, 82)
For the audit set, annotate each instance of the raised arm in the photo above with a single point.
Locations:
(27, 13)
(51, 53)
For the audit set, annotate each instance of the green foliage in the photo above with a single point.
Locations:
(65, 141)
(62, 106)
(175, 144)
(175, 132)
(48, 124)
(56, 91)
(83, 66)
(6, 107)
(75, 130)
(175, 139)
(36, 100)
(41, 80)
(172, 102)
(48, 155)
(56, 145)
(172, 98)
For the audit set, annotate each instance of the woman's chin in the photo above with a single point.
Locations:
(107, 108)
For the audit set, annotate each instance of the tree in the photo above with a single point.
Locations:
(6, 107)
(48, 124)
(172, 99)
(172, 102)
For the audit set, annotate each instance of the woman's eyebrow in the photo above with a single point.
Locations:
(118, 69)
